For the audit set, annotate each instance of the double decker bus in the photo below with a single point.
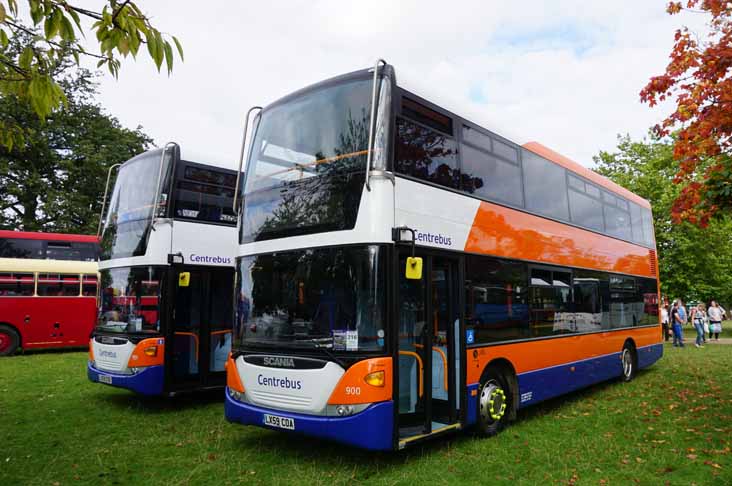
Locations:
(46, 303)
(53, 246)
(167, 276)
(404, 272)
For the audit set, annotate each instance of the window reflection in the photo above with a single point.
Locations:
(426, 154)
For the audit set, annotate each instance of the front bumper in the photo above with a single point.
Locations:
(371, 429)
(148, 381)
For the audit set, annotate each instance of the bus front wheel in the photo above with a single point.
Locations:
(9, 340)
(495, 402)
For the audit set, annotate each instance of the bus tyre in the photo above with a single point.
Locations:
(9, 340)
(629, 360)
(494, 403)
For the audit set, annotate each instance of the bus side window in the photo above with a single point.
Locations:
(89, 286)
(16, 284)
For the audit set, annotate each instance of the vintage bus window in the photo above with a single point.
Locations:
(330, 297)
(307, 163)
(21, 248)
(546, 186)
(130, 299)
(426, 154)
(89, 286)
(490, 177)
(16, 284)
(58, 285)
(496, 299)
(585, 210)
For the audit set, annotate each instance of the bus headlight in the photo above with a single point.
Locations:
(345, 410)
(236, 395)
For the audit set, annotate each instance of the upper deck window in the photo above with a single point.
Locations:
(426, 154)
(426, 116)
(204, 195)
(546, 187)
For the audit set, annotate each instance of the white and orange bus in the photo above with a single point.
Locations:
(404, 272)
(167, 276)
(46, 303)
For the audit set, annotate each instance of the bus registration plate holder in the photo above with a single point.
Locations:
(105, 379)
(279, 422)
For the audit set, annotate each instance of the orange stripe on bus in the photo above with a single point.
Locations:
(509, 233)
(535, 355)
(233, 380)
(352, 389)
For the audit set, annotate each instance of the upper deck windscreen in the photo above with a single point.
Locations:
(307, 163)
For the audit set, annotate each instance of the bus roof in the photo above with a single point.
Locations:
(441, 97)
(34, 235)
(47, 266)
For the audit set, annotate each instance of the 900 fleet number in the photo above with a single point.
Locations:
(353, 390)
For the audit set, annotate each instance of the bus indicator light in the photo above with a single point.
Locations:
(375, 379)
(151, 351)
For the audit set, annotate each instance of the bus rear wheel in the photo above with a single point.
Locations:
(9, 340)
(629, 360)
(495, 402)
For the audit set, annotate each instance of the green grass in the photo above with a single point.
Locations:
(672, 425)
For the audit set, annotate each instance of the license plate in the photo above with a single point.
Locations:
(105, 379)
(280, 422)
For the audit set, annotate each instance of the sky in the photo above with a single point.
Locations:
(565, 73)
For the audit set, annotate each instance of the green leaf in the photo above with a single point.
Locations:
(67, 30)
(25, 59)
(168, 56)
(3, 13)
(179, 47)
(4, 41)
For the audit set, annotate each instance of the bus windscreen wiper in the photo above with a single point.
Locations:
(319, 343)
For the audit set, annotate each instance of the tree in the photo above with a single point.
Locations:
(54, 180)
(698, 75)
(694, 262)
(27, 73)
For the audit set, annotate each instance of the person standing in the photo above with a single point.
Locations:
(716, 314)
(698, 316)
(676, 324)
(664, 319)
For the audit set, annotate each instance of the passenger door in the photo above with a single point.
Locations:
(201, 326)
(428, 368)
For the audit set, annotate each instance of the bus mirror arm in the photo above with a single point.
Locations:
(235, 206)
(374, 107)
(104, 199)
(157, 190)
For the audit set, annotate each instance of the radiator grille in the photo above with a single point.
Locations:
(653, 261)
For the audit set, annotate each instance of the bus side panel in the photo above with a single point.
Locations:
(550, 367)
(13, 310)
(57, 321)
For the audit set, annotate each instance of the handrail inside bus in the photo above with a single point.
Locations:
(241, 156)
(420, 366)
(326, 160)
(157, 187)
(444, 360)
(369, 156)
(195, 339)
(104, 199)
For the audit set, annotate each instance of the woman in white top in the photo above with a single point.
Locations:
(716, 314)
(664, 319)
